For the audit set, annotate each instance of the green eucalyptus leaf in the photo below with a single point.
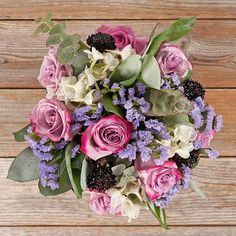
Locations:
(25, 167)
(175, 32)
(64, 55)
(150, 72)
(38, 19)
(79, 62)
(64, 183)
(57, 28)
(127, 69)
(110, 107)
(67, 41)
(53, 40)
(74, 175)
(19, 135)
(159, 213)
(42, 28)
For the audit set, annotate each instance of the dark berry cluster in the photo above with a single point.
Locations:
(193, 89)
(101, 42)
(101, 177)
(191, 162)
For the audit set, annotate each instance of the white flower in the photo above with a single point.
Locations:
(184, 133)
(94, 56)
(125, 53)
(182, 149)
(110, 61)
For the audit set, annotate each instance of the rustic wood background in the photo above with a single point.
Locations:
(211, 47)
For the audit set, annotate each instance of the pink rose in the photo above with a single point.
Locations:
(172, 61)
(157, 180)
(51, 71)
(100, 203)
(205, 138)
(51, 119)
(109, 135)
(124, 36)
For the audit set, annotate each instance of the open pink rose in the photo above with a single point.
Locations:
(51, 119)
(51, 71)
(109, 135)
(205, 138)
(157, 180)
(172, 61)
(124, 36)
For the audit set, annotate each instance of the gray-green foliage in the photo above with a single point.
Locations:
(167, 103)
(70, 47)
(25, 167)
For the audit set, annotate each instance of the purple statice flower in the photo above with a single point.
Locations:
(60, 145)
(131, 92)
(164, 155)
(165, 200)
(219, 123)
(115, 86)
(181, 88)
(75, 150)
(49, 175)
(210, 118)
(141, 89)
(145, 151)
(145, 136)
(175, 79)
(116, 102)
(197, 116)
(158, 127)
(144, 105)
(80, 114)
(212, 154)
(106, 81)
(200, 104)
(186, 173)
(43, 156)
(135, 117)
(165, 84)
(128, 152)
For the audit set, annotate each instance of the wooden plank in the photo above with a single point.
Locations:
(211, 47)
(17, 104)
(113, 9)
(21, 204)
(118, 231)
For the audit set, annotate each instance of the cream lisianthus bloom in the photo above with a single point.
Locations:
(184, 133)
(125, 52)
(94, 56)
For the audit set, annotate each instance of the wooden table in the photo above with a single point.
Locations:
(211, 47)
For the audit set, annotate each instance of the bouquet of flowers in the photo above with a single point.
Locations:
(122, 121)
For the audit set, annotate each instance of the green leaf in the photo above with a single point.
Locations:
(74, 175)
(57, 28)
(64, 55)
(42, 28)
(38, 19)
(19, 135)
(129, 82)
(150, 72)
(64, 183)
(67, 42)
(79, 61)
(194, 186)
(76, 162)
(25, 167)
(159, 213)
(53, 40)
(175, 32)
(188, 76)
(127, 69)
(110, 107)
(83, 176)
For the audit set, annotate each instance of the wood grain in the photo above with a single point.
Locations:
(118, 231)
(211, 47)
(122, 9)
(14, 116)
(21, 203)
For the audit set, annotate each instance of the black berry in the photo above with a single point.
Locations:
(193, 89)
(191, 162)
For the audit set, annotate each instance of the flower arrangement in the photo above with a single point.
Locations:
(122, 121)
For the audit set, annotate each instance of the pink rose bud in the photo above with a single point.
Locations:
(172, 61)
(109, 135)
(157, 179)
(205, 138)
(100, 203)
(51, 71)
(124, 36)
(51, 119)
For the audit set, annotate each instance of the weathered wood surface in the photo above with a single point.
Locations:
(17, 104)
(113, 9)
(21, 204)
(211, 47)
(119, 231)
